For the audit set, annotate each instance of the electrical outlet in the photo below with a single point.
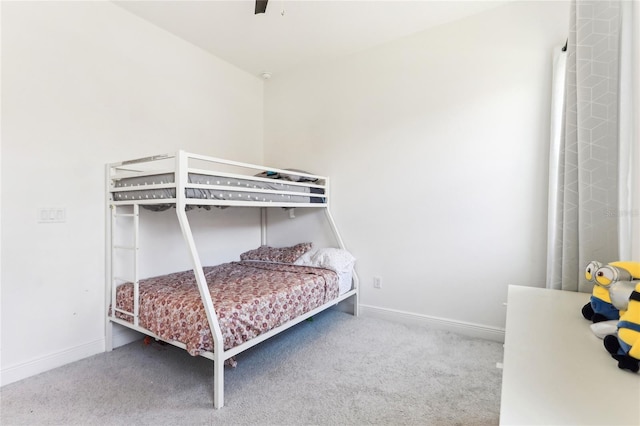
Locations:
(377, 282)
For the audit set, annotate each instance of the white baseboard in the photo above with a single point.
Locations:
(121, 336)
(48, 362)
(465, 328)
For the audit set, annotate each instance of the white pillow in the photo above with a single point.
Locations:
(338, 260)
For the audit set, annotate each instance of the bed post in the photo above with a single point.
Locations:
(338, 237)
(263, 226)
(214, 326)
(356, 280)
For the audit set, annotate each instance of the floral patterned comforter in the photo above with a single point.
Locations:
(249, 297)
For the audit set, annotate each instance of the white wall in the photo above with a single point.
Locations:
(83, 84)
(437, 149)
(457, 115)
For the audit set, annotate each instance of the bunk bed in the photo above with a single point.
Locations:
(219, 311)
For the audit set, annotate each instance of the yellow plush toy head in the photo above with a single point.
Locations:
(590, 271)
(617, 271)
(608, 274)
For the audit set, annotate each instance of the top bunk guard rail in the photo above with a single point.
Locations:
(211, 181)
(247, 165)
(207, 159)
(146, 159)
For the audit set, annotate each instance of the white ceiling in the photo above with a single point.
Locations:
(300, 32)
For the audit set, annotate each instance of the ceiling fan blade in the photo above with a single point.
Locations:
(261, 6)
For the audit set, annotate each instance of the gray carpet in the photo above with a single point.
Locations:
(334, 370)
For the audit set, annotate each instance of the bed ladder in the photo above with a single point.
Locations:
(133, 249)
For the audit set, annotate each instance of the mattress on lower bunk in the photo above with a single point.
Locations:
(215, 194)
(249, 297)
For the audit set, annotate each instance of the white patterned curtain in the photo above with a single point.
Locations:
(554, 236)
(585, 166)
(629, 191)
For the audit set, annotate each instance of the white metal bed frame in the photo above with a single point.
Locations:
(181, 164)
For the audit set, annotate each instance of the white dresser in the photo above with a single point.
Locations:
(556, 371)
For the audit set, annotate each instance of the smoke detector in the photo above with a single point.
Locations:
(266, 75)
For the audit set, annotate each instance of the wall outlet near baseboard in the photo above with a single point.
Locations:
(377, 282)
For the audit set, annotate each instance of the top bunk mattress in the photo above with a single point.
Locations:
(222, 188)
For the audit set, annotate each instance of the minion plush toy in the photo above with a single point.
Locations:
(603, 276)
(625, 348)
(599, 296)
